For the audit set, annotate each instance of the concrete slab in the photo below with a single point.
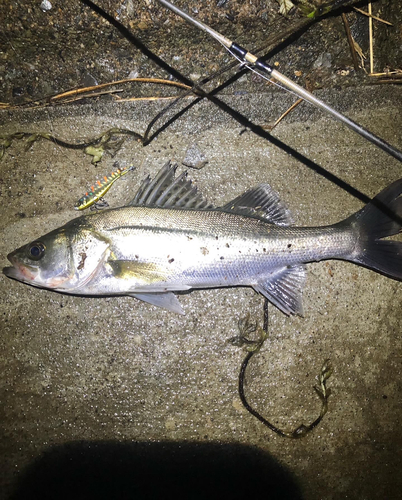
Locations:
(96, 391)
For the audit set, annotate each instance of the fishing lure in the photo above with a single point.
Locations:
(93, 197)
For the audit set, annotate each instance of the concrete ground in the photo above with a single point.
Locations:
(111, 397)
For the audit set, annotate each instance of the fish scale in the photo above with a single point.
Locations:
(189, 231)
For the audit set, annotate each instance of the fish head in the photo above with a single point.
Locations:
(44, 262)
(63, 260)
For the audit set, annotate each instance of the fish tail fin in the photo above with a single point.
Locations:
(379, 219)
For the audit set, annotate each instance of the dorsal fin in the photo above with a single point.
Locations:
(167, 191)
(261, 201)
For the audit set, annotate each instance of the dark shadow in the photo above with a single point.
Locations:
(181, 470)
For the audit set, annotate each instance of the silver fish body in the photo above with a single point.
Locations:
(170, 241)
(174, 249)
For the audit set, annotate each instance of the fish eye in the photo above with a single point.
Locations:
(36, 250)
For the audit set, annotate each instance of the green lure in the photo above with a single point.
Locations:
(95, 193)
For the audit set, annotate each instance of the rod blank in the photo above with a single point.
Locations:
(244, 56)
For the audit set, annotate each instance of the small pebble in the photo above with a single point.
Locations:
(194, 158)
(45, 6)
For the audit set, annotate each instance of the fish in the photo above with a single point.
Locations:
(95, 193)
(169, 239)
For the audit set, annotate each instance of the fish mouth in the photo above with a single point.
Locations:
(31, 275)
(18, 271)
(10, 272)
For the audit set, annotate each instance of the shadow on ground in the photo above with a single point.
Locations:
(104, 469)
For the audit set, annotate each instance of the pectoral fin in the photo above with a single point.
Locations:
(141, 272)
(283, 288)
(165, 300)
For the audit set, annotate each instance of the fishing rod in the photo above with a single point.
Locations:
(258, 64)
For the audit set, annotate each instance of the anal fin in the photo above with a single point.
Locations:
(165, 300)
(283, 288)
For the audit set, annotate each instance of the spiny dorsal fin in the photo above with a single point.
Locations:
(169, 192)
(261, 201)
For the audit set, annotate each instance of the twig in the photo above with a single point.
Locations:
(360, 53)
(371, 39)
(93, 94)
(350, 41)
(388, 77)
(292, 107)
(118, 82)
(38, 103)
(129, 99)
(391, 74)
(373, 17)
